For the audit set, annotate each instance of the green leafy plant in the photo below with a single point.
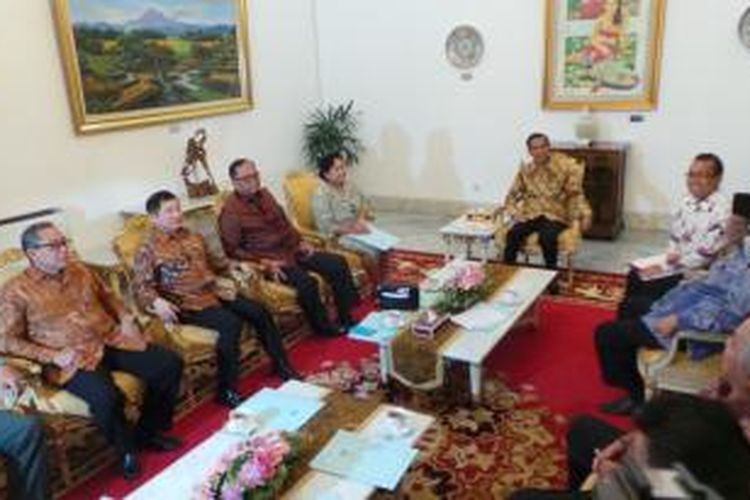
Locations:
(332, 129)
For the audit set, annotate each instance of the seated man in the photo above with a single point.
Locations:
(587, 435)
(696, 438)
(545, 198)
(695, 236)
(23, 446)
(254, 227)
(174, 277)
(716, 303)
(59, 313)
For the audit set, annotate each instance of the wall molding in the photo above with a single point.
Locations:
(434, 206)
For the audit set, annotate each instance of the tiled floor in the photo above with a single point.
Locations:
(420, 232)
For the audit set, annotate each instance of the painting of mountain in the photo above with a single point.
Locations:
(155, 56)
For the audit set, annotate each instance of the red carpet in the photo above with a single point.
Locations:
(555, 362)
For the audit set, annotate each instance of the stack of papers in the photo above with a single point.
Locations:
(376, 238)
(481, 317)
(654, 267)
(379, 326)
(279, 410)
(377, 463)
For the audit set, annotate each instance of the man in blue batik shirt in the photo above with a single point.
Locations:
(717, 302)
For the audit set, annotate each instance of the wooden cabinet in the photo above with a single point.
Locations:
(604, 184)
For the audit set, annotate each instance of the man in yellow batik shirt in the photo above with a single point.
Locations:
(546, 198)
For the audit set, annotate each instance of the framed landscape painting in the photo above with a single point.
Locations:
(603, 54)
(140, 62)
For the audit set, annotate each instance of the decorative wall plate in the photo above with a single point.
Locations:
(464, 47)
(743, 28)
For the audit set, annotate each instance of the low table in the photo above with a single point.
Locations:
(462, 232)
(472, 347)
(341, 411)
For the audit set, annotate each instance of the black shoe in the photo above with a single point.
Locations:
(229, 398)
(160, 442)
(286, 372)
(130, 467)
(622, 406)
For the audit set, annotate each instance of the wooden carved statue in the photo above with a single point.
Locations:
(198, 185)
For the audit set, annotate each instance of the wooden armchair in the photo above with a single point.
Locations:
(568, 242)
(299, 188)
(67, 417)
(673, 370)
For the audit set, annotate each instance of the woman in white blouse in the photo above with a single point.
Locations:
(340, 209)
(696, 235)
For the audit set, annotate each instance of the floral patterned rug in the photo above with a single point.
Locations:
(410, 266)
(472, 451)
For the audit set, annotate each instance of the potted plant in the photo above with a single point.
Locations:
(332, 129)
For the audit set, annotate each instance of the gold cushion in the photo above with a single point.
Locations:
(130, 385)
(299, 188)
(127, 242)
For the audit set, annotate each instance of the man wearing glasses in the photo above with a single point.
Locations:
(254, 227)
(59, 314)
(695, 236)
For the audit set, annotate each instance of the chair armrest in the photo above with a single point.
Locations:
(24, 365)
(713, 337)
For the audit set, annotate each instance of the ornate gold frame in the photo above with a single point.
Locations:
(86, 123)
(645, 101)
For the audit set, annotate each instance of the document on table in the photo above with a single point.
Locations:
(655, 267)
(481, 317)
(377, 463)
(277, 410)
(379, 326)
(376, 238)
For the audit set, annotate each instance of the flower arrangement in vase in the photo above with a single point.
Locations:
(254, 469)
(467, 287)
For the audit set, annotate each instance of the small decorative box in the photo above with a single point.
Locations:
(428, 323)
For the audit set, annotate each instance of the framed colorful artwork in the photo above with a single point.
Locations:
(134, 62)
(603, 54)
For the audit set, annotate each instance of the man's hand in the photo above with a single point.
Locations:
(609, 458)
(275, 269)
(666, 326)
(226, 289)
(166, 311)
(130, 334)
(306, 249)
(673, 259)
(745, 425)
(10, 379)
(65, 358)
(651, 270)
(585, 223)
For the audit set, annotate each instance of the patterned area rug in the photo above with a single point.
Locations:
(410, 266)
(472, 451)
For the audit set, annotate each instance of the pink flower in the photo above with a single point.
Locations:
(470, 276)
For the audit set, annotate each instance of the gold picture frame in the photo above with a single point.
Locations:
(603, 54)
(129, 66)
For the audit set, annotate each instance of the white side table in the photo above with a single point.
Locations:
(461, 234)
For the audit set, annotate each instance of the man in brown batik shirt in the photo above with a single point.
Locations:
(175, 277)
(58, 313)
(254, 227)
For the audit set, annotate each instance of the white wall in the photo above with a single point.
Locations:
(45, 164)
(432, 135)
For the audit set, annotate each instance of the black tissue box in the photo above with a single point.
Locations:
(398, 296)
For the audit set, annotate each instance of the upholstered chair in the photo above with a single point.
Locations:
(299, 188)
(568, 241)
(673, 370)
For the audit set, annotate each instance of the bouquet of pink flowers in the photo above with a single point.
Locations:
(466, 288)
(253, 469)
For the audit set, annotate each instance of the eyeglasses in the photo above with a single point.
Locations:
(247, 178)
(55, 244)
